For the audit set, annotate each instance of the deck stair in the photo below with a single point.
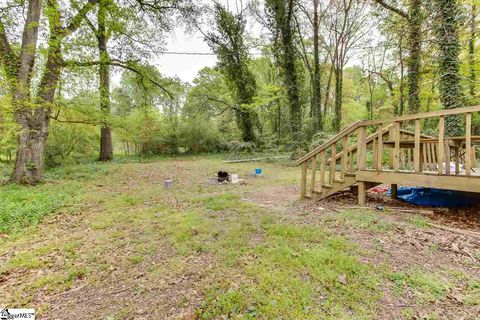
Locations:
(395, 152)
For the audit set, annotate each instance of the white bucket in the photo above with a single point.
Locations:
(234, 178)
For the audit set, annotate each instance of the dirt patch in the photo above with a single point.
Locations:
(271, 197)
(406, 247)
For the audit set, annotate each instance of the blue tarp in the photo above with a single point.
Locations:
(438, 198)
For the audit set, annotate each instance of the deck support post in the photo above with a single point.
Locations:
(394, 191)
(361, 193)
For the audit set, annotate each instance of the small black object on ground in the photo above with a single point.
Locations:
(222, 176)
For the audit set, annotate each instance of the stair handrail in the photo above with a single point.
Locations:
(423, 115)
(344, 132)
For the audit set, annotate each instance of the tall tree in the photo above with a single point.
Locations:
(313, 67)
(228, 42)
(33, 114)
(316, 85)
(471, 48)
(347, 26)
(446, 30)
(414, 19)
(106, 146)
(280, 16)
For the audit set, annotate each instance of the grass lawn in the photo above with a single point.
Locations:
(108, 241)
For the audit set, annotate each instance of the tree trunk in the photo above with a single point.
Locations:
(29, 165)
(328, 90)
(337, 121)
(29, 161)
(402, 77)
(291, 79)
(446, 28)
(414, 59)
(106, 146)
(316, 85)
(471, 50)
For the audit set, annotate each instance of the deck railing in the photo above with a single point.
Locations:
(397, 142)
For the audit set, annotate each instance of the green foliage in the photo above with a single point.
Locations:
(446, 28)
(21, 207)
(426, 286)
(71, 144)
(229, 45)
(280, 18)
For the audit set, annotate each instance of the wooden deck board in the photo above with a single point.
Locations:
(429, 180)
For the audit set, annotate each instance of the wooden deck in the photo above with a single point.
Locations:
(396, 153)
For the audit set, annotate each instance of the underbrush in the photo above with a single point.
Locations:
(23, 206)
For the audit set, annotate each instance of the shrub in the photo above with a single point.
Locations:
(71, 144)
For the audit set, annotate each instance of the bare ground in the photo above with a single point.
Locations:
(121, 264)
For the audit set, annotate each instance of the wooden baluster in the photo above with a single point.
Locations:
(303, 183)
(468, 144)
(314, 175)
(409, 159)
(421, 158)
(396, 150)
(374, 153)
(361, 162)
(424, 156)
(416, 149)
(447, 157)
(457, 159)
(402, 159)
(429, 156)
(379, 158)
(333, 164)
(434, 154)
(474, 158)
(441, 144)
(322, 169)
(391, 138)
(350, 161)
(344, 158)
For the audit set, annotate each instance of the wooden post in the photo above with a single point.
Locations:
(457, 159)
(468, 144)
(474, 158)
(350, 161)
(441, 144)
(424, 156)
(361, 148)
(391, 138)
(396, 150)
(380, 148)
(303, 184)
(344, 158)
(361, 193)
(314, 175)
(394, 191)
(421, 157)
(333, 164)
(416, 150)
(447, 157)
(322, 169)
